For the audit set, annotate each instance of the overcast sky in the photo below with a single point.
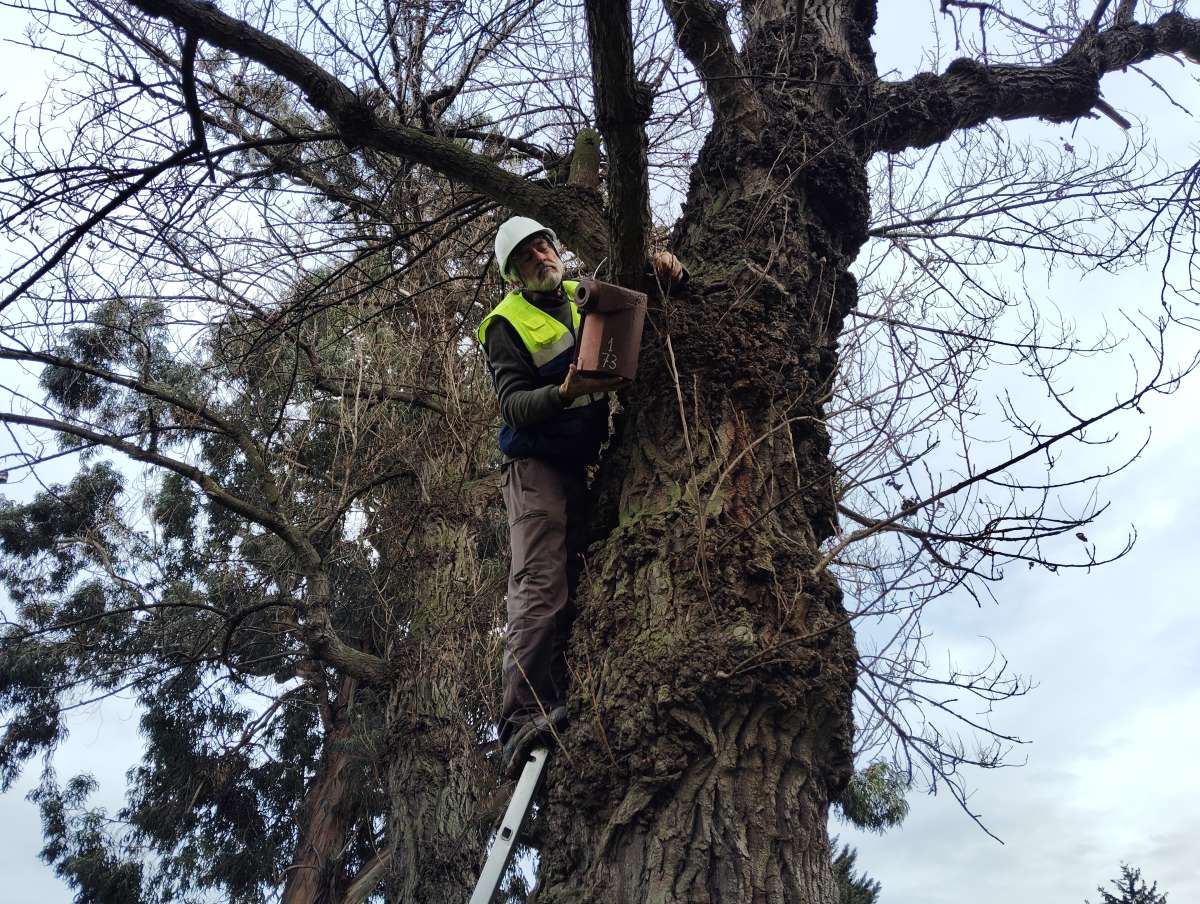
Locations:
(1113, 725)
(1114, 722)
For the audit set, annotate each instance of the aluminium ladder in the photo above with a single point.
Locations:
(501, 850)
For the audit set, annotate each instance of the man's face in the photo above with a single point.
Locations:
(537, 264)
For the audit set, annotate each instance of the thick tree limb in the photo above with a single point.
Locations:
(1097, 16)
(574, 214)
(1124, 14)
(368, 878)
(622, 108)
(324, 643)
(702, 33)
(927, 108)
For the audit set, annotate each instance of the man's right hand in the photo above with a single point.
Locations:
(576, 385)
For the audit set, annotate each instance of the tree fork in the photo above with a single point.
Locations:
(712, 675)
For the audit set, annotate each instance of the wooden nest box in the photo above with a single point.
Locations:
(610, 333)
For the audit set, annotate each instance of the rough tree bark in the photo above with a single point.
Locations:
(436, 822)
(713, 661)
(713, 669)
(437, 778)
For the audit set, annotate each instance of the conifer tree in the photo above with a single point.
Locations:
(1130, 888)
(852, 889)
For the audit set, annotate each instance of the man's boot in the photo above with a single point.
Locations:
(537, 732)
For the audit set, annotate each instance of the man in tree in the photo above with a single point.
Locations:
(555, 421)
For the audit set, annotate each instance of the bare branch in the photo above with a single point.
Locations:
(83, 229)
(211, 488)
(1074, 430)
(574, 214)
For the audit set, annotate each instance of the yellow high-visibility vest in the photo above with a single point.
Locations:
(545, 338)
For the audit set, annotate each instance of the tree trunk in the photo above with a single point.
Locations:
(445, 592)
(435, 773)
(327, 816)
(713, 667)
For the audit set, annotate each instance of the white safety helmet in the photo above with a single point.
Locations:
(513, 232)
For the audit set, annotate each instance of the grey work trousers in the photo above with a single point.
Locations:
(547, 531)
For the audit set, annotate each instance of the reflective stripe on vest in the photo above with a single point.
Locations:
(544, 337)
(587, 399)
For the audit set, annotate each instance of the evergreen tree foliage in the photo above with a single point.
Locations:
(1130, 888)
(81, 849)
(852, 889)
(149, 586)
(874, 798)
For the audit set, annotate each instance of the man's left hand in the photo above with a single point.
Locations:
(667, 268)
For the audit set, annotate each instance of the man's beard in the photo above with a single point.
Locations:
(548, 278)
